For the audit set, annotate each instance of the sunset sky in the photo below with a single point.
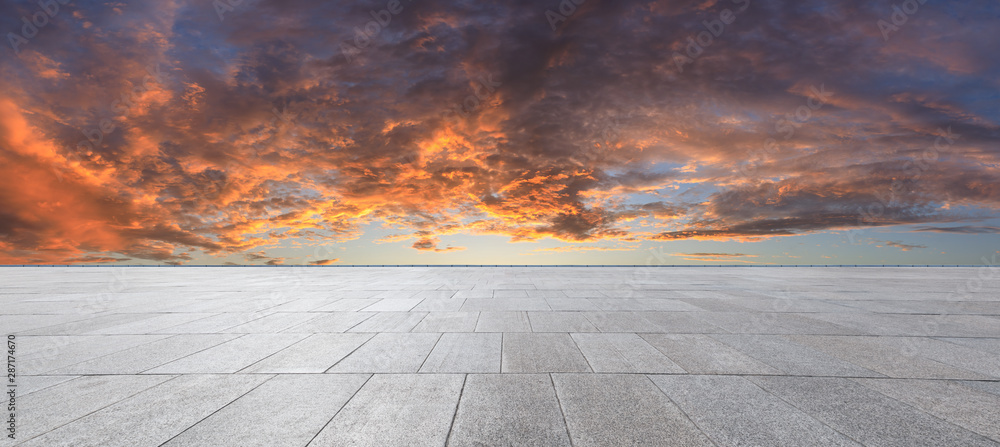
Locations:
(512, 132)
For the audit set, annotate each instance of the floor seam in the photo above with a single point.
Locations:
(218, 409)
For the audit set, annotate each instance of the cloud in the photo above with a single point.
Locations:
(715, 255)
(901, 246)
(728, 257)
(263, 256)
(576, 248)
(965, 229)
(477, 119)
(95, 260)
(325, 261)
(431, 244)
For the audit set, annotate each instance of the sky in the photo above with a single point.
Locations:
(191, 132)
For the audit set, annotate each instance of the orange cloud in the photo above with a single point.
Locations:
(265, 139)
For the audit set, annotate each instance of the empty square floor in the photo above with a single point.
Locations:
(502, 356)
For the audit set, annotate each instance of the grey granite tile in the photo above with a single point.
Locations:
(302, 305)
(623, 353)
(315, 354)
(991, 345)
(394, 294)
(434, 294)
(174, 406)
(623, 322)
(569, 304)
(871, 353)
(389, 353)
(773, 323)
(966, 358)
(791, 303)
(393, 305)
(721, 407)
(152, 324)
(960, 325)
(58, 405)
(651, 321)
(510, 294)
(70, 350)
(396, 410)
(541, 353)
(230, 356)
(465, 353)
(916, 325)
(701, 354)
(30, 384)
(643, 304)
(272, 323)
(448, 322)
(560, 322)
(508, 409)
(331, 322)
(14, 324)
(985, 386)
(504, 304)
(390, 322)
(545, 293)
(474, 293)
(94, 323)
(348, 305)
(144, 357)
(961, 405)
(714, 304)
(870, 418)
(286, 411)
(215, 323)
(503, 322)
(583, 293)
(666, 305)
(622, 409)
(792, 358)
(439, 305)
(617, 304)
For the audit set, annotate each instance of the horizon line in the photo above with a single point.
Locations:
(500, 265)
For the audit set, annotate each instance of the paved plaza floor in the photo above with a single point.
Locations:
(503, 356)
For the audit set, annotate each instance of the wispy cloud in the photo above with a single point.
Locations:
(715, 255)
(577, 248)
(962, 229)
(727, 257)
(901, 246)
